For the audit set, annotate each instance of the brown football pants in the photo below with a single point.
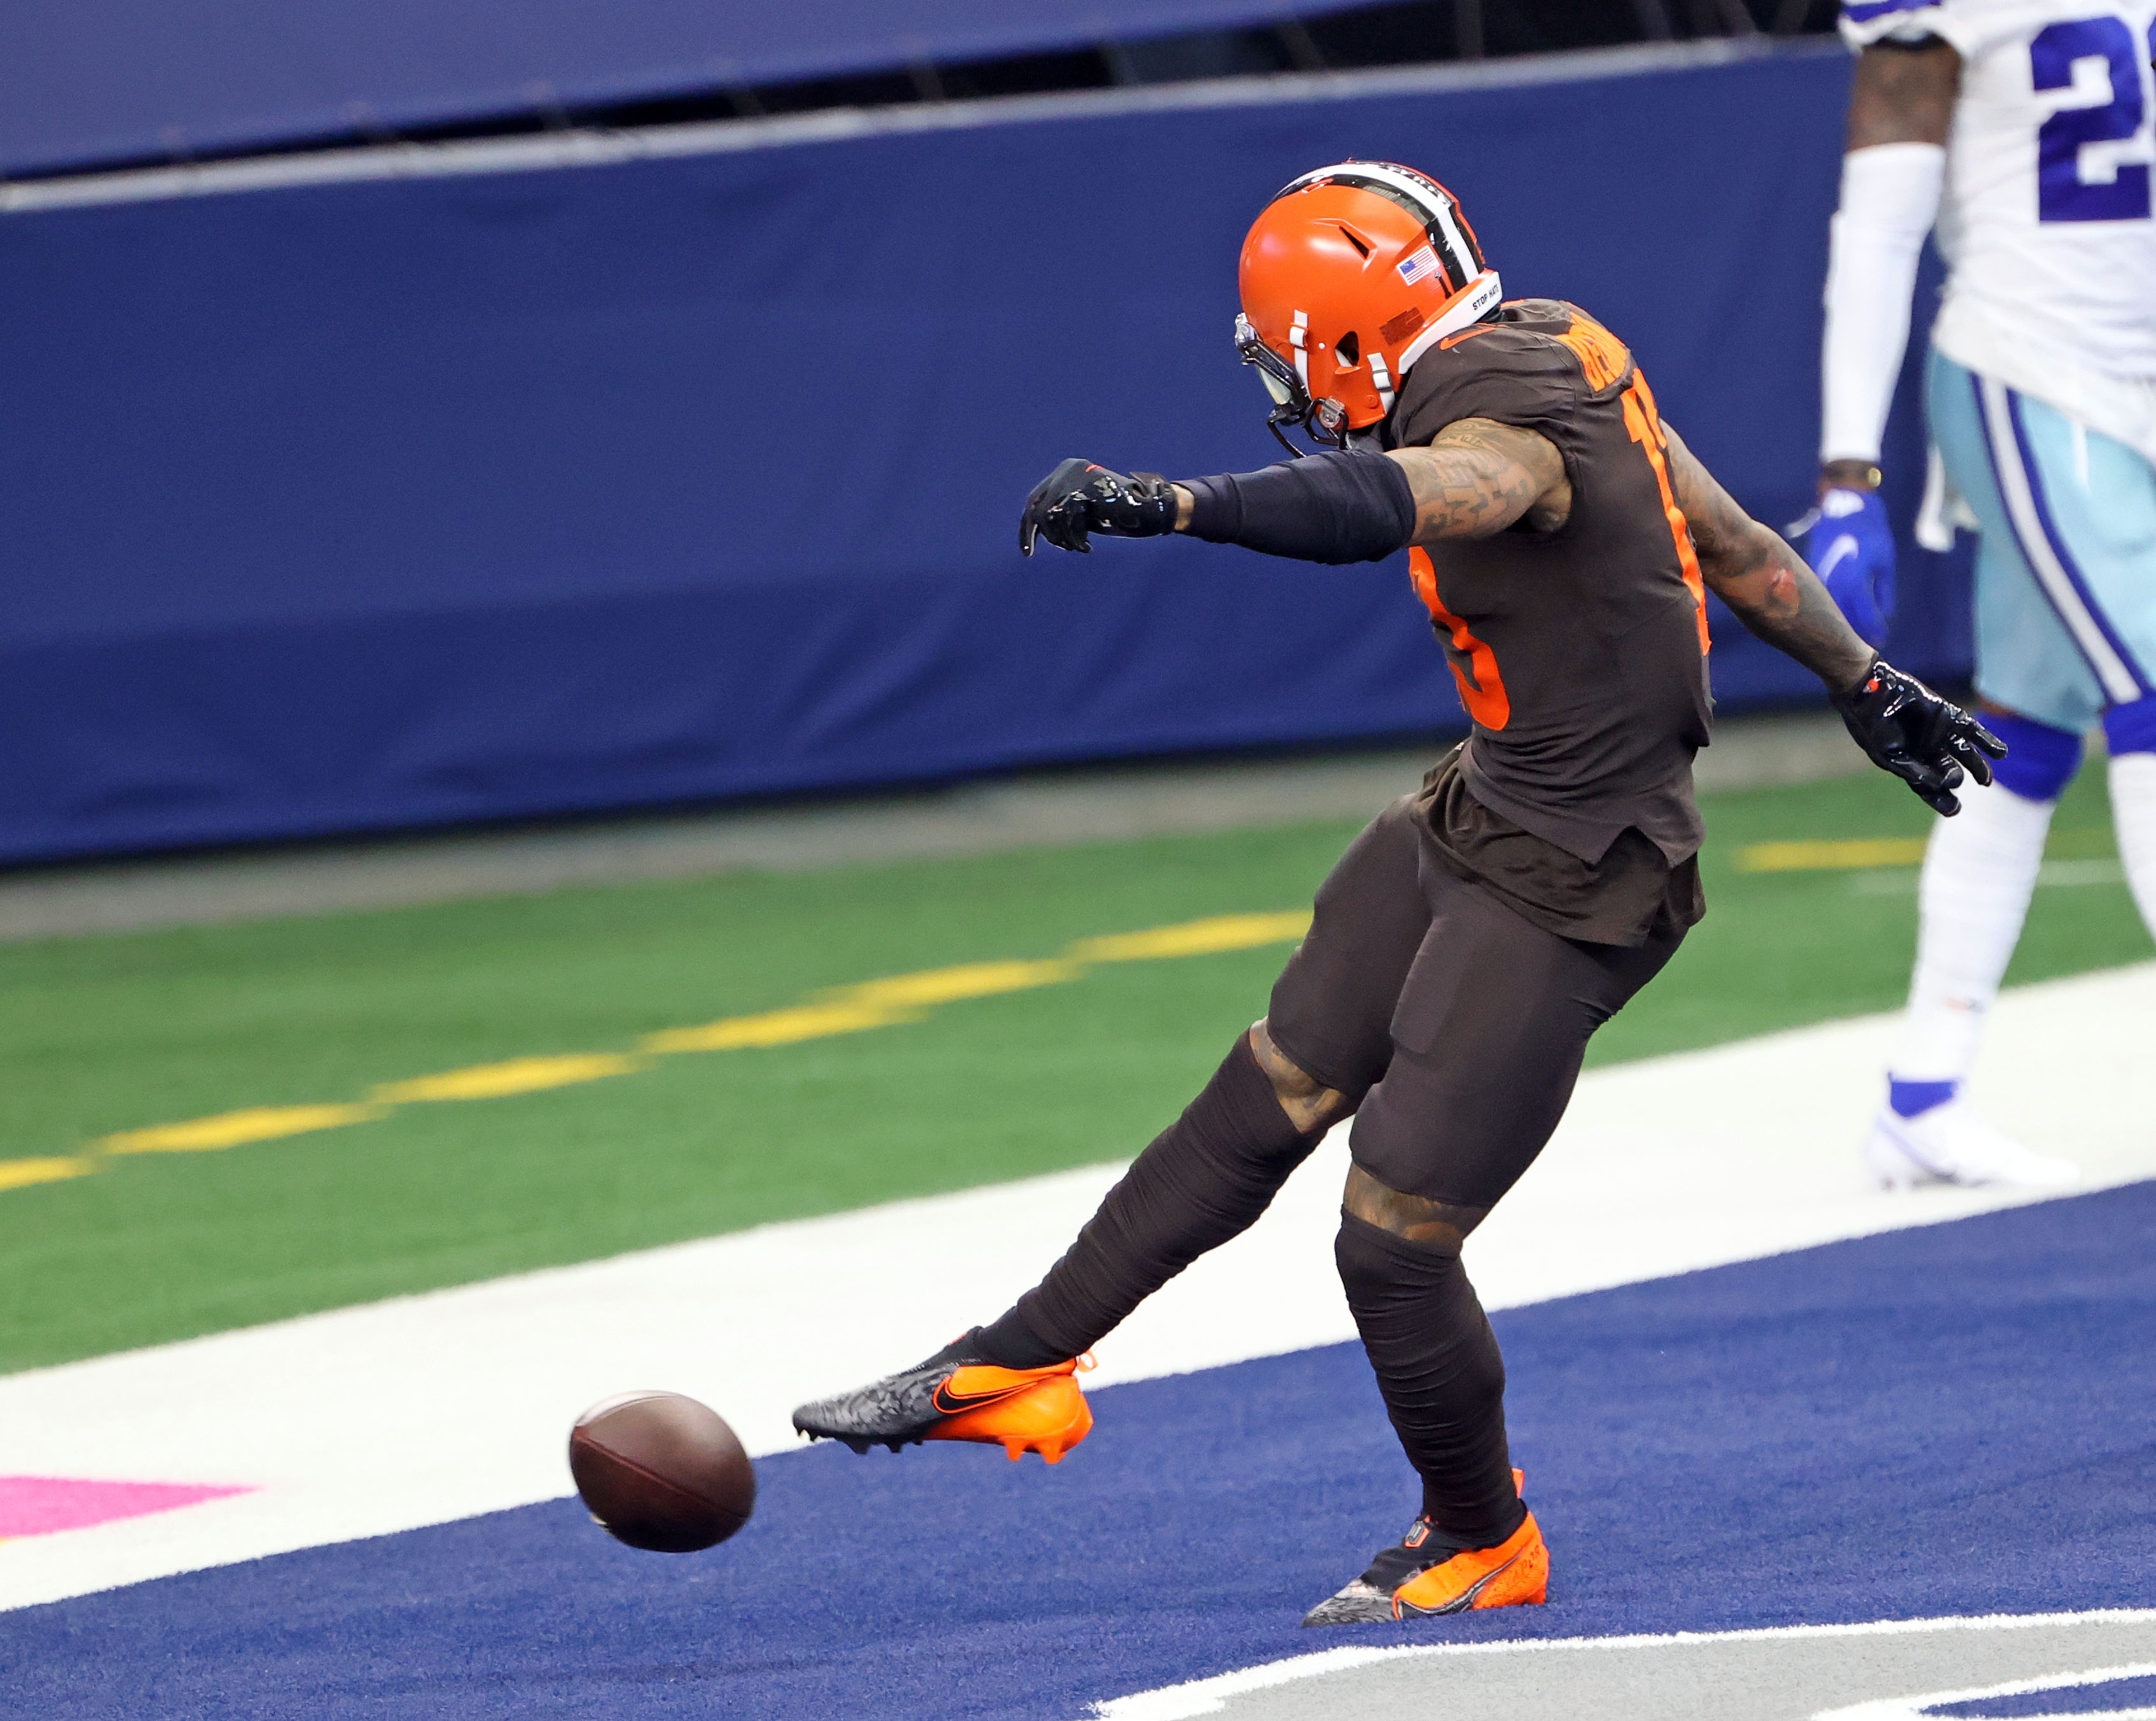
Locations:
(1455, 1029)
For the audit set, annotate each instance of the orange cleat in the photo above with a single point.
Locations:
(1425, 1572)
(1049, 1417)
(1513, 1573)
(956, 1395)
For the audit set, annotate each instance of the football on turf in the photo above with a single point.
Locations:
(661, 1471)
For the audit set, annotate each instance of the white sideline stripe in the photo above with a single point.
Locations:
(2016, 484)
(1208, 1696)
(385, 1417)
(593, 148)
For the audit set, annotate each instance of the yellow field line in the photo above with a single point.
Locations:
(778, 1027)
(934, 986)
(1196, 937)
(843, 1009)
(494, 1081)
(1849, 854)
(21, 1174)
(229, 1130)
(1858, 853)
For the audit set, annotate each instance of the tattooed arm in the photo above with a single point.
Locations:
(1929, 742)
(1762, 579)
(1475, 479)
(1479, 476)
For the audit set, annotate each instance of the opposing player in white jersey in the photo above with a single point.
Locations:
(2023, 128)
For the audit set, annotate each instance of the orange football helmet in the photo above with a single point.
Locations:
(1349, 276)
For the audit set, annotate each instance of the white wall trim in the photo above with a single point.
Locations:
(587, 148)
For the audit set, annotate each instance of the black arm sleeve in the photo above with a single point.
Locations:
(1341, 506)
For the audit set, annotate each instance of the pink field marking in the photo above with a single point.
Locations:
(42, 1505)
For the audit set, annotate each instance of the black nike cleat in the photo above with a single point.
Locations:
(955, 1395)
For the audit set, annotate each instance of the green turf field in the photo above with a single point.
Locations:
(117, 1033)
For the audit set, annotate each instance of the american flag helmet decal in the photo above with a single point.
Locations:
(1414, 269)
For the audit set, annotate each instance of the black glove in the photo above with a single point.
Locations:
(1921, 738)
(1079, 497)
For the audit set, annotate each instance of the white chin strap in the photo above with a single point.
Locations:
(1483, 294)
(1382, 378)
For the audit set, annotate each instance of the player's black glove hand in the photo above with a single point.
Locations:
(1924, 740)
(1079, 497)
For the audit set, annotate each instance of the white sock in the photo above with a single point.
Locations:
(1979, 869)
(2133, 816)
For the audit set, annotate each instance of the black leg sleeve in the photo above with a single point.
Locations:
(1443, 1379)
(1205, 1179)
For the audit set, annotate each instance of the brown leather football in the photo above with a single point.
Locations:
(661, 1471)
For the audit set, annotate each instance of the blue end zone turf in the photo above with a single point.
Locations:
(2067, 1701)
(1952, 1420)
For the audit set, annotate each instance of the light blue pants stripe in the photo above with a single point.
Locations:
(2066, 569)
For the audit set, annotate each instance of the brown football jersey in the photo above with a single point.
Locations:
(1581, 653)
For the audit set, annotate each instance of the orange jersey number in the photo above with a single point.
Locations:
(1481, 683)
(1481, 686)
(1645, 425)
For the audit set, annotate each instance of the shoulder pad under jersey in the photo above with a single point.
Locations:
(1559, 328)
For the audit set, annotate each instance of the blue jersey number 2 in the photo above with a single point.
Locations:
(2061, 193)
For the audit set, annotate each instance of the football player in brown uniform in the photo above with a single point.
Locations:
(1476, 934)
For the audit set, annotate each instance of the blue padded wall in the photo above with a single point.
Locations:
(351, 507)
(97, 81)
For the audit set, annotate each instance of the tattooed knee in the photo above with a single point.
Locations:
(1309, 1104)
(1437, 1225)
